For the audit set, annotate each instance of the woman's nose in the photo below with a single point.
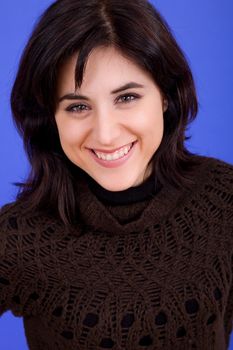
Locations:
(106, 129)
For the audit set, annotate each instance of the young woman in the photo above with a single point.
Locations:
(120, 238)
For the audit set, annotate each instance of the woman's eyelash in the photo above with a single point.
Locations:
(79, 107)
(75, 108)
(128, 95)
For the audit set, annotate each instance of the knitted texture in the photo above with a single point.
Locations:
(159, 276)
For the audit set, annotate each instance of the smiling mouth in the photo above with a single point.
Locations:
(120, 153)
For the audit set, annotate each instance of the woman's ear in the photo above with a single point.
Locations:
(165, 105)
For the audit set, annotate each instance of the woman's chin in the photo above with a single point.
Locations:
(114, 186)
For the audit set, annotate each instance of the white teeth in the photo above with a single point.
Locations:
(114, 156)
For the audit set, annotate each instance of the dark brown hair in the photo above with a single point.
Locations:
(69, 26)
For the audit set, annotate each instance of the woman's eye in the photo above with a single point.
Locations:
(127, 98)
(77, 108)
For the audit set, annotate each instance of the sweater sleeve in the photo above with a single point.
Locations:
(227, 198)
(18, 288)
(229, 315)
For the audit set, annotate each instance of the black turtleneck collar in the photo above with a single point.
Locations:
(135, 194)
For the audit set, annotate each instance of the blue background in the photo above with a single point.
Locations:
(204, 30)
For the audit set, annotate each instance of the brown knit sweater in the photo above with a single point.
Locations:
(161, 280)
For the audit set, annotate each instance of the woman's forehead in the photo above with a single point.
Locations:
(101, 64)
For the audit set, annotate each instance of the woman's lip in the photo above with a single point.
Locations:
(112, 151)
(113, 163)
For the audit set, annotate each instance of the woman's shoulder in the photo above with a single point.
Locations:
(219, 163)
(213, 161)
(9, 214)
(213, 179)
(17, 218)
(214, 169)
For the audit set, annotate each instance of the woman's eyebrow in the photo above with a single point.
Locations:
(130, 85)
(73, 96)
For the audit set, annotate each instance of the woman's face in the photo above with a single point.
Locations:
(118, 107)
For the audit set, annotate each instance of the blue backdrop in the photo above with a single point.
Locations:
(204, 30)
